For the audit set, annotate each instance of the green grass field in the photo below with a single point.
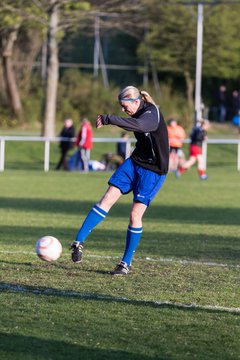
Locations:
(182, 300)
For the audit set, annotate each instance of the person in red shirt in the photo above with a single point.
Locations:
(84, 143)
(176, 135)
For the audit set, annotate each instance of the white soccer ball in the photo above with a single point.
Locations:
(48, 248)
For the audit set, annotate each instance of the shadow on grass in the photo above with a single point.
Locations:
(43, 291)
(49, 265)
(186, 214)
(158, 243)
(21, 346)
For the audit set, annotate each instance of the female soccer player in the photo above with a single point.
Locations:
(143, 173)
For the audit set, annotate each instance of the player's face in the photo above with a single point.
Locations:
(205, 127)
(130, 107)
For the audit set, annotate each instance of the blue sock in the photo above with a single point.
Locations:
(132, 240)
(95, 216)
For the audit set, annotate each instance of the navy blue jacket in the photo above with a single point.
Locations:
(197, 136)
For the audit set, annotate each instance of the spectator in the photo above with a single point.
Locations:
(67, 133)
(84, 143)
(234, 106)
(222, 103)
(198, 135)
(122, 146)
(176, 135)
(113, 161)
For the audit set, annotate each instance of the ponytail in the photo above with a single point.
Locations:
(146, 97)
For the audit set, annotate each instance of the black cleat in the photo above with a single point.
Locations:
(121, 269)
(76, 248)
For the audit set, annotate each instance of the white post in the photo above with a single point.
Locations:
(198, 80)
(2, 154)
(204, 154)
(238, 157)
(103, 67)
(96, 48)
(46, 155)
(128, 149)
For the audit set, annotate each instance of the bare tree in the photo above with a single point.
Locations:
(56, 16)
(27, 47)
(8, 38)
(52, 71)
(115, 15)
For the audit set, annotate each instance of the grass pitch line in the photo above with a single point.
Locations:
(171, 260)
(193, 262)
(163, 260)
(92, 296)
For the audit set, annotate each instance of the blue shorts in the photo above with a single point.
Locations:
(143, 182)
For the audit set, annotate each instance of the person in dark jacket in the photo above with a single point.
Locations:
(122, 146)
(198, 135)
(143, 173)
(222, 103)
(67, 134)
(111, 160)
(234, 106)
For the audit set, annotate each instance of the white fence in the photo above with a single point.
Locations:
(48, 141)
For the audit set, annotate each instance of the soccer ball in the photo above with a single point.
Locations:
(48, 248)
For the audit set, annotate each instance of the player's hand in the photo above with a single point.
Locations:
(99, 123)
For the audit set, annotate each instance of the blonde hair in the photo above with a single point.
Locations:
(131, 92)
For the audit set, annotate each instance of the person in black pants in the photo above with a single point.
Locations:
(67, 133)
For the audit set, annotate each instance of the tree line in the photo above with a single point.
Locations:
(164, 32)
